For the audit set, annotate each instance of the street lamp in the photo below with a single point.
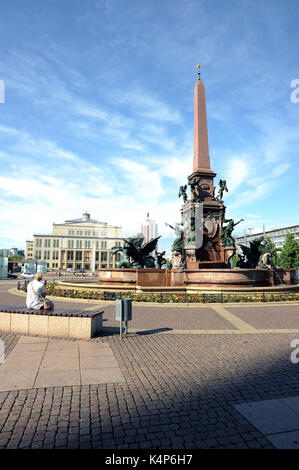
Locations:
(250, 229)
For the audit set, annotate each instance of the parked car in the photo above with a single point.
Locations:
(12, 276)
(27, 275)
(71, 270)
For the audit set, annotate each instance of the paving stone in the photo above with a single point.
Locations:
(185, 383)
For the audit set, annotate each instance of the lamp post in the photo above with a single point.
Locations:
(245, 236)
(250, 230)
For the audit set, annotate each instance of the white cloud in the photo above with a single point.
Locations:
(238, 170)
(149, 106)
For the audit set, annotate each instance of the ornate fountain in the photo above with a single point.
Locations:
(203, 248)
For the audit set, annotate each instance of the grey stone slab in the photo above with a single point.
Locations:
(57, 378)
(32, 339)
(285, 440)
(66, 363)
(21, 362)
(24, 348)
(61, 345)
(101, 375)
(17, 380)
(291, 402)
(94, 362)
(269, 416)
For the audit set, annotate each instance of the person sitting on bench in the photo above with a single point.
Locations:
(36, 291)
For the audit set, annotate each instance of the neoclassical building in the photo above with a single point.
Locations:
(277, 235)
(81, 244)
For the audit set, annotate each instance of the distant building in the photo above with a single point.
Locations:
(11, 251)
(5, 252)
(29, 249)
(81, 244)
(149, 229)
(278, 235)
(16, 251)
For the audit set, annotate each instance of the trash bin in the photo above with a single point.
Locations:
(123, 312)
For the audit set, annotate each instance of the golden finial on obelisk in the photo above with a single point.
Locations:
(198, 66)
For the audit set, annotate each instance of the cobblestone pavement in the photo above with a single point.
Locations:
(9, 340)
(179, 390)
(178, 394)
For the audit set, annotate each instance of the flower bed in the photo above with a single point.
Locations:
(170, 298)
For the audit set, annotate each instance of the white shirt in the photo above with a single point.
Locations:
(32, 300)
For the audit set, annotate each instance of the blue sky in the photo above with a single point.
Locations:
(98, 111)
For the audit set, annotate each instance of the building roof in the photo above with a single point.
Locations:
(269, 231)
(78, 221)
(85, 218)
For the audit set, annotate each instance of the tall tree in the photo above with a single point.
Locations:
(289, 257)
(15, 258)
(274, 252)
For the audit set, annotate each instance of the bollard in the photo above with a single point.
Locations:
(123, 312)
(119, 314)
(127, 312)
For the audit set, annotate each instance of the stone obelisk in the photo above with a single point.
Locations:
(201, 183)
(201, 159)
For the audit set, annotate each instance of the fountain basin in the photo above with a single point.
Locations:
(187, 281)
(140, 277)
(226, 277)
(211, 278)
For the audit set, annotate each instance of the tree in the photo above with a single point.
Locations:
(235, 260)
(289, 257)
(274, 252)
(15, 258)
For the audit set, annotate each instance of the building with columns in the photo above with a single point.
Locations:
(79, 244)
(277, 235)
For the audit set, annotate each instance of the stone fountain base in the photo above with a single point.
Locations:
(183, 279)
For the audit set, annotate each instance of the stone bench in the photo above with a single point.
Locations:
(84, 323)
